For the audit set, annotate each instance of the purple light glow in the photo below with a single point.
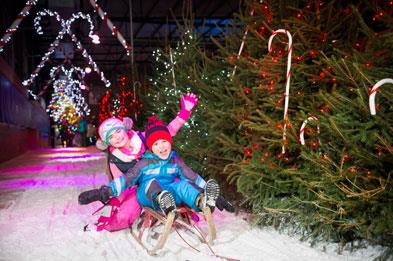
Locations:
(56, 168)
(74, 156)
(66, 150)
(40, 169)
(74, 181)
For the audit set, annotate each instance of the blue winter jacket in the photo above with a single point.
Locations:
(152, 167)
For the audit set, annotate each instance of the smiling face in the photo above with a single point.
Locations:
(118, 138)
(162, 148)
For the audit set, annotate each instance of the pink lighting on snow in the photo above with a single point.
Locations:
(55, 169)
(61, 181)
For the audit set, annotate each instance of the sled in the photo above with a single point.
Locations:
(143, 229)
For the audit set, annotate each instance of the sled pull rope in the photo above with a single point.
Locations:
(177, 231)
(211, 249)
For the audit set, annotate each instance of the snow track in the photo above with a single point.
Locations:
(40, 219)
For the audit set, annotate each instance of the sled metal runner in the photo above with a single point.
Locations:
(143, 229)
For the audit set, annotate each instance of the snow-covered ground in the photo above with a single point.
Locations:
(40, 219)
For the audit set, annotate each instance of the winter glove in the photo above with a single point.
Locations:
(222, 204)
(187, 103)
(102, 194)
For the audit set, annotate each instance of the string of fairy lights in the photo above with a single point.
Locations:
(166, 77)
(68, 104)
(65, 29)
(67, 101)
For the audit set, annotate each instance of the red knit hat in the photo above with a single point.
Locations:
(156, 130)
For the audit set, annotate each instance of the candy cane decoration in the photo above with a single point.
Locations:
(301, 132)
(137, 84)
(288, 78)
(110, 25)
(90, 60)
(172, 69)
(373, 91)
(242, 45)
(14, 26)
(68, 73)
(53, 45)
(53, 74)
(66, 29)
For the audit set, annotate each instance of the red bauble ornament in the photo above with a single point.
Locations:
(313, 53)
(246, 90)
(299, 15)
(248, 152)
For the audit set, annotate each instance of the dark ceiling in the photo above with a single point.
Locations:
(154, 24)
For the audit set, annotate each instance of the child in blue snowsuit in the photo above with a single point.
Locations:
(163, 179)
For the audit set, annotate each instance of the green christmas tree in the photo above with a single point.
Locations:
(335, 183)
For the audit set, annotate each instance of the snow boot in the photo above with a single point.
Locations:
(212, 192)
(166, 202)
(102, 194)
(222, 204)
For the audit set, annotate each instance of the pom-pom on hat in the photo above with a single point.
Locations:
(156, 130)
(109, 125)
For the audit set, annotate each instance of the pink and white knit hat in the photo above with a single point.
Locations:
(109, 125)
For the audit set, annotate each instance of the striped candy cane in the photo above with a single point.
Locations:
(375, 88)
(14, 26)
(288, 77)
(242, 45)
(301, 132)
(110, 25)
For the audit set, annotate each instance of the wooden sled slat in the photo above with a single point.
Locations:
(153, 218)
(166, 221)
(210, 224)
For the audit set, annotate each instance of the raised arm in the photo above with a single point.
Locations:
(187, 103)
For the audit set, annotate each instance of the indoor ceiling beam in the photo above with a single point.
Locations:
(218, 23)
(161, 25)
(212, 12)
(147, 18)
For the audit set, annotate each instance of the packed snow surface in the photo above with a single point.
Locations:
(40, 219)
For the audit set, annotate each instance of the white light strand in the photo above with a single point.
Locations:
(66, 29)
(57, 69)
(67, 93)
(68, 73)
(35, 97)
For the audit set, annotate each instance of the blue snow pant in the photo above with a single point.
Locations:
(182, 191)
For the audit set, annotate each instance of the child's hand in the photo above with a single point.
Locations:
(188, 101)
